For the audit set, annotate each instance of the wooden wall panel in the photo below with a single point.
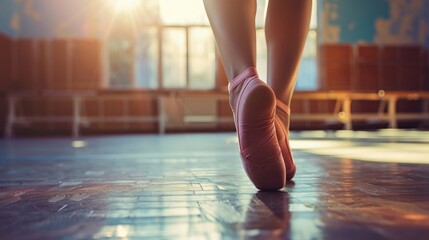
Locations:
(57, 65)
(221, 79)
(41, 63)
(372, 67)
(336, 52)
(61, 107)
(5, 62)
(24, 58)
(297, 106)
(390, 77)
(86, 64)
(409, 106)
(146, 107)
(59, 74)
(409, 78)
(368, 68)
(337, 76)
(3, 112)
(336, 66)
(409, 65)
(140, 108)
(410, 55)
(224, 110)
(389, 54)
(91, 107)
(389, 68)
(75, 64)
(424, 81)
(113, 107)
(5, 76)
(365, 106)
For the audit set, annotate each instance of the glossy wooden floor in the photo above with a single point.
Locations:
(358, 185)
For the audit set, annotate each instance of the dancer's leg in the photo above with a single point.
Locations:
(286, 31)
(252, 101)
(233, 24)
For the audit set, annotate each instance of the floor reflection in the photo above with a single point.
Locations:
(194, 187)
(268, 215)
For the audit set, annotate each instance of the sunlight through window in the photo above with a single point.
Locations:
(124, 5)
(169, 44)
(183, 12)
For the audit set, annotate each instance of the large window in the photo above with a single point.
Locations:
(174, 58)
(146, 59)
(307, 75)
(201, 58)
(175, 49)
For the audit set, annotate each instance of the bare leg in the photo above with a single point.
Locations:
(233, 24)
(252, 101)
(286, 29)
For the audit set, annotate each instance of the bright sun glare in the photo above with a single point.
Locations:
(124, 5)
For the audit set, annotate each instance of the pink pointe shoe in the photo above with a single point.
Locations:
(283, 138)
(253, 104)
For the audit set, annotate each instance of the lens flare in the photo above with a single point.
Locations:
(124, 5)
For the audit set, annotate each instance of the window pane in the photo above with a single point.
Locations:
(313, 22)
(261, 61)
(261, 11)
(201, 59)
(147, 59)
(307, 76)
(121, 54)
(176, 12)
(174, 58)
(262, 6)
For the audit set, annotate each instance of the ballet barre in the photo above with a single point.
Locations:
(79, 116)
(169, 105)
(342, 111)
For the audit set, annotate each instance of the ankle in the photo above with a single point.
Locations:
(234, 71)
(233, 95)
(236, 84)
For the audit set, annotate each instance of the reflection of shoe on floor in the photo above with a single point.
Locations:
(253, 104)
(278, 204)
(283, 116)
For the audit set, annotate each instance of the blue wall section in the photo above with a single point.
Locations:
(374, 21)
(52, 18)
(340, 21)
(6, 13)
(357, 20)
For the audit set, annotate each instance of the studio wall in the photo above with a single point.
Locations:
(366, 45)
(372, 45)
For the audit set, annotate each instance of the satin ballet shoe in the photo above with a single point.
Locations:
(283, 138)
(253, 104)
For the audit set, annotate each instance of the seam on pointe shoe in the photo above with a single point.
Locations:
(236, 109)
(271, 118)
(246, 82)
